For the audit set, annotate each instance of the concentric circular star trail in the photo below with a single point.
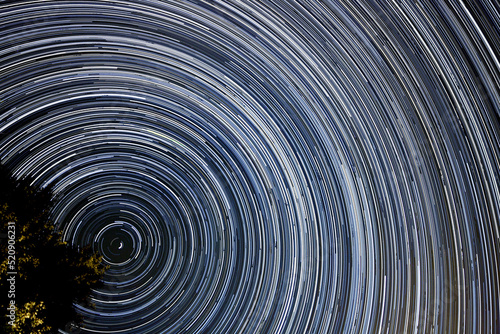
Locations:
(266, 166)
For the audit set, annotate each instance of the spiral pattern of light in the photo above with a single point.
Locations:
(266, 166)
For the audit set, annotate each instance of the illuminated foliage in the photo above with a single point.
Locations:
(50, 275)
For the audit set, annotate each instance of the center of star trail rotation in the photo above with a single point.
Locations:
(266, 166)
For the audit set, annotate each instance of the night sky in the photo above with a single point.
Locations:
(266, 166)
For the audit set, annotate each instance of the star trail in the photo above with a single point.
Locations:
(266, 166)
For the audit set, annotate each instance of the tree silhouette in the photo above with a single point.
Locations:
(48, 275)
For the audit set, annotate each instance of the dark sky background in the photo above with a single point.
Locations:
(266, 166)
